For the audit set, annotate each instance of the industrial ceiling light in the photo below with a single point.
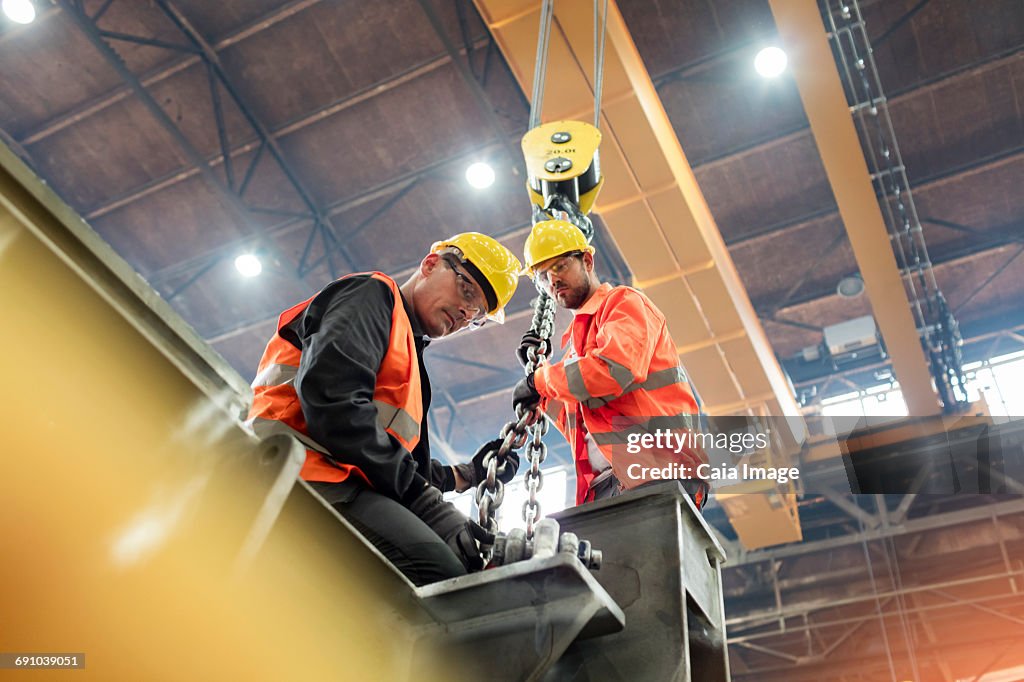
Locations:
(19, 11)
(249, 265)
(850, 287)
(770, 62)
(480, 175)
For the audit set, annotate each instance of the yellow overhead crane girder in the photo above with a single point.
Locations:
(817, 78)
(659, 219)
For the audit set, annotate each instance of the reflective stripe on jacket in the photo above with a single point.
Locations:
(396, 396)
(621, 376)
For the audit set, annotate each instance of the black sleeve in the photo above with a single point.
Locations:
(344, 335)
(441, 476)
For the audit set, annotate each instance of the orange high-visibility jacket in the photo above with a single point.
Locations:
(620, 376)
(396, 396)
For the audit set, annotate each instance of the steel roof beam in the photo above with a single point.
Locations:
(368, 92)
(213, 61)
(923, 184)
(162, 72)
(988, 242)
(92, 33)
(469, 78)
(980, 513)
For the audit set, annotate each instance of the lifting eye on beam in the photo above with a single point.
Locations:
(562, 159)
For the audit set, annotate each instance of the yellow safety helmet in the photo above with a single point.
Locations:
(552, 238)
(494, 267)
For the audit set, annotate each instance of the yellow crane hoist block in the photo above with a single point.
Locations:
(562, 158)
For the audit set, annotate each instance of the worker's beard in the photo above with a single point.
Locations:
(574, 297)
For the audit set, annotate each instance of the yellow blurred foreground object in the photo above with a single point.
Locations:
(140, 525)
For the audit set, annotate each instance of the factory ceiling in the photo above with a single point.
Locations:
(332, 137)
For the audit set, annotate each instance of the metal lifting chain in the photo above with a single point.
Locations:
(536, 425)
(530, 426)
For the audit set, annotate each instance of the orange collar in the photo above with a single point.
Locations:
(588, 308)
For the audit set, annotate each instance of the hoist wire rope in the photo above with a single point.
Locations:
(599, 38)
(547, 12)
(540, 68)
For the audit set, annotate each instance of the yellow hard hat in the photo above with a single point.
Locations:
(494, 267)
(552, 238)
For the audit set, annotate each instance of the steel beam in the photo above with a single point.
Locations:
(978, 607)
(907, 16)
(900, 514)
(283, 130)
(876, 667)
(987, 245)
(851, 508)
(1004, 234)
(871, 616)
(968, 339)
(927, 183)
(791, 610)
(662, 567)
(233, 201)
(213, 61)
(114, 60)
(924, 523)
(1004, 58)
(988, 280)
(822, 94)
(685, 71)
(162, 72)
(475, 88)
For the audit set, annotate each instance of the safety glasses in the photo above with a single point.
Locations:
(556, 269)
(471, 297)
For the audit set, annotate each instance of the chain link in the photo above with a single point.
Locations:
(528, 427)
(543, 324)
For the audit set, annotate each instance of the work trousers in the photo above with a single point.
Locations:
(609, 486)
(408, 543)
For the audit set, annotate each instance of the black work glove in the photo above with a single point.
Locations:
(461, 534)
(531, 339)
(474, 472)
(525, 394)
